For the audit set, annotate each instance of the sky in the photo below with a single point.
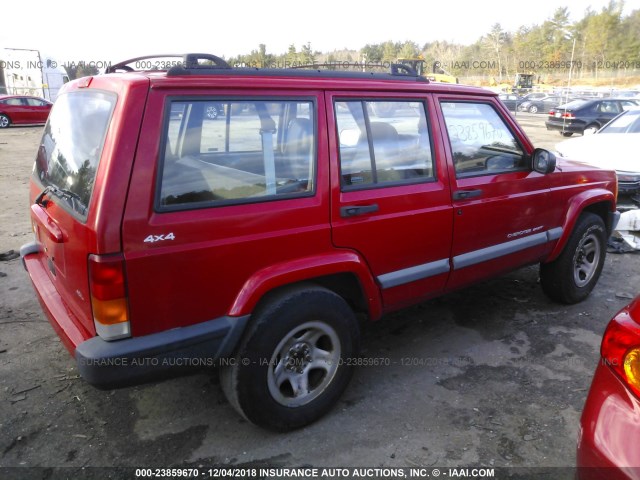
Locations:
(112, 31)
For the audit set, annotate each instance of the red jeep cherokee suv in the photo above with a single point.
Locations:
(167, 237)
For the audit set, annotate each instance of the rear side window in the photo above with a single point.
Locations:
(15, 101)
(383, 143)
(220, 152)
(72, 144)
(609, 107)
(481, 143)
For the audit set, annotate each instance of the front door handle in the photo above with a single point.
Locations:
(355, 210)
(466, 194)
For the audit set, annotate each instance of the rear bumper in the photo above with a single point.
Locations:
(68, 327)
(564, 127)
(134, 360)
(609, 430)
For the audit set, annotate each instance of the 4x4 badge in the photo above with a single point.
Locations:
(159, 238)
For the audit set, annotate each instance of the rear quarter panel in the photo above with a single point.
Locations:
(216, 250)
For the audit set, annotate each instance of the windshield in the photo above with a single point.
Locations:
(72, 144)
(627, 122)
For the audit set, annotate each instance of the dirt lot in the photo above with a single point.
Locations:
(495, 375)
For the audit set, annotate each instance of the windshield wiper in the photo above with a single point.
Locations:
(66, 194)
(71, 197)
(39, 199)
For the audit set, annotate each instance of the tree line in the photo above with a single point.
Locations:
(603, 43)
(600, 43)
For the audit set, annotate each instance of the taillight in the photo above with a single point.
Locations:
(552, 113)
(620, 348)
(568, 115)
(108, 286)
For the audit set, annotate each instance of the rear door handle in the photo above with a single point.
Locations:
(53, 231)
(466, 194)
(355, 210)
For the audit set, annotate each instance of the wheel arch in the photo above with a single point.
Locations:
(345, 274)
(598, 201)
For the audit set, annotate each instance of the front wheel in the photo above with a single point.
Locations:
(571, 277)
(295, 359)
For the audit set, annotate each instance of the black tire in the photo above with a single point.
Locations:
(4, 121)
(290, 332)
(566, 134)
(571, 277)
(212, 111)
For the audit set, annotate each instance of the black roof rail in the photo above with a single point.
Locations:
(398, 71)
(208, 64)
(124, 66)
(395, 68)
(189, 61)
(409, 71)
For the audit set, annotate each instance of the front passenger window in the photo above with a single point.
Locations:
(481, 143)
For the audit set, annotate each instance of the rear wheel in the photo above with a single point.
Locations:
(571, 277)
(293, 364)
(566, 134)
(533, 109)
(212, 111)
(4, 121)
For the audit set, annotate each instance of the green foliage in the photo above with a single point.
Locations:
(603, 39)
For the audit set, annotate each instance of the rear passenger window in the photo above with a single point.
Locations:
(383, 143)
(481, 143)
(609, 107)
(236, 151)
(34, 102)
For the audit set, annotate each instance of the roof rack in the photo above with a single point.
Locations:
(190, 61)
(208, 64)
(398, 72)
(395, 68)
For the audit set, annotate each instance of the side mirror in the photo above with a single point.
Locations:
(543, 161)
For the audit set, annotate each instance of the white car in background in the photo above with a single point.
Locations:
(615, 146)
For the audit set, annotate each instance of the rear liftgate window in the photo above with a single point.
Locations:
(221, 152)
(71, 146)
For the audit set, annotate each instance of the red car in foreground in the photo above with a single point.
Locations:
(23, 110)
(610, 425)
